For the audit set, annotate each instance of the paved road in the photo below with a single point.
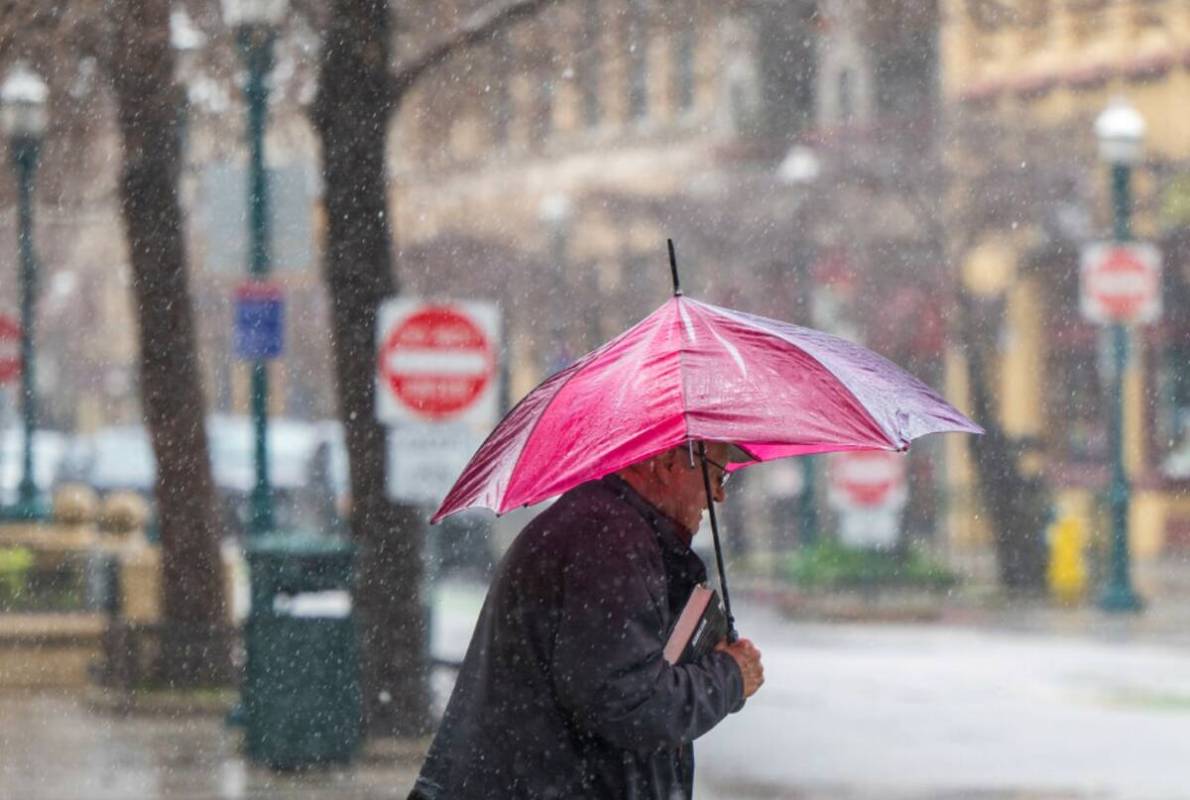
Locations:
(923, 711)
(848, 713)
(54, 747)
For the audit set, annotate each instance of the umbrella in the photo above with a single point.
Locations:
(694, 372)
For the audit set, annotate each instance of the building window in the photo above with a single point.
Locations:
(1034, 14)
(986, 15)
(590, 64)
(683, 67)
(846, 96)
(637, 57)
(543, 113)
(1089, 17)
(499, 96)
(1172, 366)
(1174, 422)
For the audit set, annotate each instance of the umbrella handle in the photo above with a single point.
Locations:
(732, 635)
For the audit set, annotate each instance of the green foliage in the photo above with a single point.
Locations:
(29, 584)
(1174, 209)
(15, 564)
(829, 564)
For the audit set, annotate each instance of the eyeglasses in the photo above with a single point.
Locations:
(724, 475)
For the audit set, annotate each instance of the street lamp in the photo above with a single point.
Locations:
(1120, 130)
(799, 170)
(255, 23)
(23, 116)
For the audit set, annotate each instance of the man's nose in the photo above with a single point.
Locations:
(719, 493)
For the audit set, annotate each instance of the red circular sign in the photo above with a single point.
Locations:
(10, 357)
(1122, 284)
(437, 361)
(867, 477)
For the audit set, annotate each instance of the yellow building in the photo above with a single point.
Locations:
(1046, 68)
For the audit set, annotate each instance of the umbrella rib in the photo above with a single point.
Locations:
(574, 370)
(677, 300)
(859, 405)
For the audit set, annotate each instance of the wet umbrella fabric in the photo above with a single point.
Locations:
(693, 371)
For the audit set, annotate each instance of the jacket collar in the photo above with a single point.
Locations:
(670, 533)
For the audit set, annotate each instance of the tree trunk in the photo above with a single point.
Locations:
(1017, 504)
(351, 115)
(195, 643)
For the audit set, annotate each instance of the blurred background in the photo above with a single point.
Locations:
(215, 217)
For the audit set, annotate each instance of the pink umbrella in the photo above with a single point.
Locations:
(693, 372)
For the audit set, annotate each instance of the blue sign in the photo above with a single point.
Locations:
(260, 321)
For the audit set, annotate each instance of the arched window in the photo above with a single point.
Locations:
(846, 95)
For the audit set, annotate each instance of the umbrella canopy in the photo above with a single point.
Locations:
(692, 371)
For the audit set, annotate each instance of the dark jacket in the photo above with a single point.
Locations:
(563, 692)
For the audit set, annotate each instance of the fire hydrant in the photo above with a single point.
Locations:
(1068, 562)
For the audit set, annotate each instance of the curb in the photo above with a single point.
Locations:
(161, 702)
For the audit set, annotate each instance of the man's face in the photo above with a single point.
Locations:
(685, 497)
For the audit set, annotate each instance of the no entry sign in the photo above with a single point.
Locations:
(10, 349)
(1120, 283)
(866, 479)
(868, 490)
(437, 362)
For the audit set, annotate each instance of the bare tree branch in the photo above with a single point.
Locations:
(483, 24)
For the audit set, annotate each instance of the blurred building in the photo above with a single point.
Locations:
(585, 138)
(548, 167)
(545, 167)
(1038, 73)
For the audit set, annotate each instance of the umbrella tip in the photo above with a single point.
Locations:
(673, 267)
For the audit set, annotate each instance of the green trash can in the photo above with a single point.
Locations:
(301, 693)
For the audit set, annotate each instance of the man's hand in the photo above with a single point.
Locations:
(748, 658)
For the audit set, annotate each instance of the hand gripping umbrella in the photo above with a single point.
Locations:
(688, 373)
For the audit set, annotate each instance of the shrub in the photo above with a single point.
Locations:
(828, 564)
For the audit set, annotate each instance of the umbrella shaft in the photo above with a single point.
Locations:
(706, 482)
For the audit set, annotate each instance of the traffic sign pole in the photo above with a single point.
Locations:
(1119, 595)
(24, 158)
(258, 57)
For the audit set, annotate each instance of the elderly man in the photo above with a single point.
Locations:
(564, 692)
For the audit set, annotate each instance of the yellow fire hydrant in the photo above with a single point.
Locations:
(1068, 560)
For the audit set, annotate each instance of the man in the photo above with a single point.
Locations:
(564, 692)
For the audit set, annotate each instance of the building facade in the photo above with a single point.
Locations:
(1042, 70)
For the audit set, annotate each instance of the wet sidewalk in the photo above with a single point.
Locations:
(57, 747)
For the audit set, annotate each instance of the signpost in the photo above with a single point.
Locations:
(1120, 288)
(437, 376)
(868, 489)
(1120, 283)
(10, 349)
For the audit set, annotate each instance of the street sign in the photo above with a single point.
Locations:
(10, 349)
(260, 321)
(1120, 283)
(424, 460)
(868, 489)
(437, 362)
(866, 479)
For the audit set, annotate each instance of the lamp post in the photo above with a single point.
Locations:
(1120, 130)
(555, 212)
(255, 23)
(800, 169)
(23, 115)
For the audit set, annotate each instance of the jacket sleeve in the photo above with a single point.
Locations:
(607, 665)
